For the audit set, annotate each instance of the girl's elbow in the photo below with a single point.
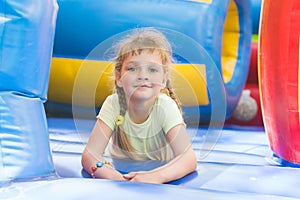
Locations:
(83, 158)
(194, 163)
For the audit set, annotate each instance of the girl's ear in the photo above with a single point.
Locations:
(118, 79)
(166, 75)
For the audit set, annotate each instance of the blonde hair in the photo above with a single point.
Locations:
(141, 39)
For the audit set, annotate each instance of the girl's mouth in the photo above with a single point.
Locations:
(144, 85)
(149, 85)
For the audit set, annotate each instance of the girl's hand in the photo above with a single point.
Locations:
(142, 176)
(108, 172)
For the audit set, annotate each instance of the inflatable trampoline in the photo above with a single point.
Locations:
(55, 73)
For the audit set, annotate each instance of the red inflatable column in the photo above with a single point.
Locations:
(279, 76)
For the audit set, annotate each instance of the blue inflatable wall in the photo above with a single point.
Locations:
(26, 41)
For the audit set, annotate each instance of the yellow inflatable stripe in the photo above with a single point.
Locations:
(259, 67)
(202, 1)
(81, 82)
(88, 83)
(230, 42)
(189, 81)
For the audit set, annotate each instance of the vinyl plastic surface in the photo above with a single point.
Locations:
(233, 163)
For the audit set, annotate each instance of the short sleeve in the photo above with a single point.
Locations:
(109, 111)
(169, 113)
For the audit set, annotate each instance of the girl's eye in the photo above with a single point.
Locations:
(152, 70)
(131, 69)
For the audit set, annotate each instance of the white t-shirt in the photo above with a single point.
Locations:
(147, 138)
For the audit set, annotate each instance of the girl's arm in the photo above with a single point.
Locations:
(184, 162)
(94, 150)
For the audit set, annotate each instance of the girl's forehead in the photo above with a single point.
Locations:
(144, 56)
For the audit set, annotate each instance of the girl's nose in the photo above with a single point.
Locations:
(142, 75)
(142, 78)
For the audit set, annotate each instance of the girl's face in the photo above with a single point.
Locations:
(142, 76)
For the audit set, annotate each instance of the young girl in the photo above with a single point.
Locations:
(142, 120)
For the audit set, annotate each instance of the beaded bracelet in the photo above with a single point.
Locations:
(96, 166)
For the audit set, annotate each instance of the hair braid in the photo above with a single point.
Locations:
(121, 138)
(172, 94)
(122, 100)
